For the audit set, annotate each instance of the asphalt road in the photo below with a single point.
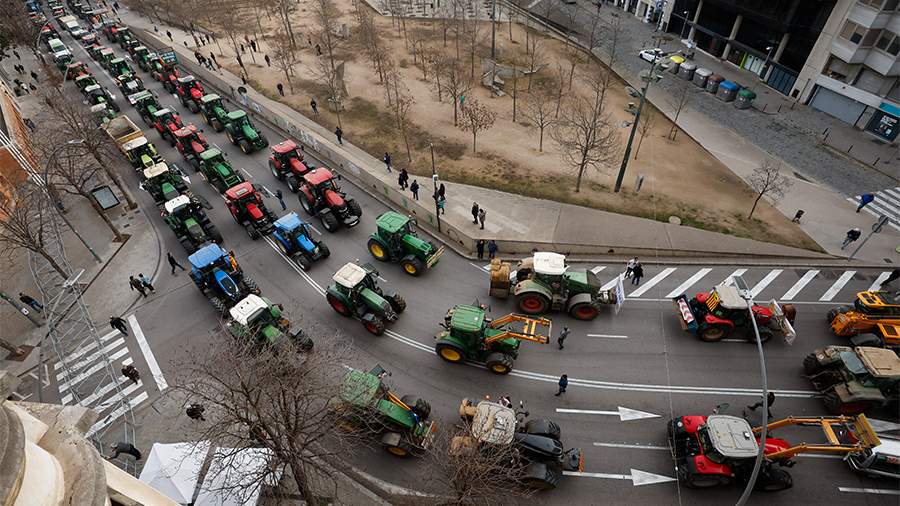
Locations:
(638, 359)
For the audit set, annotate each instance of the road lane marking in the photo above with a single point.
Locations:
(880, 279)
(799, 285)
(86, 374)
(652, 282)
(121, 396)
(632, 446)
(764, 282)
(74, 368)
(732, 340)
(296, 268)
(84, 349)
(158, 377)
(836, 287)
(730, 279)
(316, 230)
(89, 400)
(624, 414)
(245, 172)
(637, 477)
(691, 281)
(115, 415)
(881, 491)
(609, 336)
(611, 283)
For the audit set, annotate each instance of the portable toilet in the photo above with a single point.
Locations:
(686, 71)
(676, 62)
(744, 99)
(712, 83)
(700, 77)
(727, 91)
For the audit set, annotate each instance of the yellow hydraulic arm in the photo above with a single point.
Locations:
(860, 435)
(529, 332)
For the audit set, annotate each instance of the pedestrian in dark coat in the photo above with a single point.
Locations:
(482, 214)
(35, 76)
(280, 88)
(169, 35)
(475, 210)
(16, 54)
(268, 61)
(243, 50)
(387, 161)
(318, 50)
(637, 273)
(131, 372)
(147, 282)
(118, 324)
(403, 179)
(174, 263)
(195, 412)
(492, 249)
(852, 235)
(253, 46)
(563, 383)
(315, 106)
(280, 196)
(442, 191)
(137, 285)
(864, 200)
(414, 188)
(38, 307)
(441, 202)
(479, 248)
(126, 448)
(562, 337)
(339, 134)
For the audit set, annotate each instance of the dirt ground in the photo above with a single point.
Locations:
(680, 178)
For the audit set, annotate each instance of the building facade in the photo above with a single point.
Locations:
(12, 127)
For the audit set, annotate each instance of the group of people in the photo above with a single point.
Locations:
(142, 284)
(634, 270)
(478, 214)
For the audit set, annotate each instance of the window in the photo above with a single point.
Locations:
(889, 42)
(882, 5)
(871, 37)
(870, 80)
(890, 5)
(853, 32)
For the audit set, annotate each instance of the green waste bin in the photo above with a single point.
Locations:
(744, 99)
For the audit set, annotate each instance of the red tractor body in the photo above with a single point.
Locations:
(320, 196)
(247, 208)
(166, 122)
(287, 164)
(190, 143)
(189, 91)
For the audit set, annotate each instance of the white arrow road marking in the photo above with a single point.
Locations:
(650, 283)
(691, 281)
(799, 285)
(624, 414)
(880, 279)
(883, 426)
(158, 377)
(836, 287)
(637, 477)
(880, 491)
(764, 282)
(186, 178)
(632, 446)
(609, 336)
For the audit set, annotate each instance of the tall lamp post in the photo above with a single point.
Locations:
(651, 76)
(762, 72)
(434, 180)
(684, 24)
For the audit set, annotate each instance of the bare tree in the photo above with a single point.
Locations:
(326, 15)
(329, 78)
(401, 105)
(476, 118)
(767, 180)
(373, 45)
(473, 40)
(229, 18)
(535, 54)
(586, 136)
(16, 28)
(613, 37)
(456, 83)
(648, 121)
(284, 56)
(679, 102)
(24, 222)
(284, 8)
(538, 110)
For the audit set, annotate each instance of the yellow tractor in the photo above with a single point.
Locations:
(876, 312)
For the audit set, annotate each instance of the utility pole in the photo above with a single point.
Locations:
(637, 118)
(762, 72)
(434, 180)
(493, 29)
(876, 227)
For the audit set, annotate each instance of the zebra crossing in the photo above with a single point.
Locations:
(886, 203)
(783, 284)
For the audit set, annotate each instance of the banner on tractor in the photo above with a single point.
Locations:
(169, 56)
(620, 292)
(789, 333)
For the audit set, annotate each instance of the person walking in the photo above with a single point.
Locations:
(864, 200)
(441, 202)
(318, 50)
(797, 216)
(481, 216)
(253, 46)
(213, 58)
(479, 248)
(414, 188)
(852, 235)
(147, 282)
(339, 134)
(442, 191)
(31, 302)
(239, 60)
(402, 179)
(562, 336)
(629, 266)
(35, 76)
(137, 285)
(637, 273)
(890, 279)
(492, 249)
(387, 161)
(770, 398)
(174, 263)
(131, 372)
(243, 75)
(195, 412)
(16, 54)
(563, 384)
(315, 106)
(169, 35)
(118, 324)
(475, 210)
(126, 448)
(280, 89)
(268, 61)
(243, 49)
(280, 196)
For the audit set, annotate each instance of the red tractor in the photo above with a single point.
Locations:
(247, 208)
(166, 122)
(715, 315)
(320, 196)
(189, 91)
(190, 143)
(287, 164)
(77, 69)
(166, 73)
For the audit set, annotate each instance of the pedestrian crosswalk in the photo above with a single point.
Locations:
(886, 203)
(798, 285)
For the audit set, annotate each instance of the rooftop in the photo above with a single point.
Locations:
(349, 275)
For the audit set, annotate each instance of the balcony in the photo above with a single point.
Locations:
(883, 63)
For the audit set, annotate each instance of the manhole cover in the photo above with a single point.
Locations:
(674, 220)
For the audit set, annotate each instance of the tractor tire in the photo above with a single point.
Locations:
(402, 449)
(418, 405)
(330, 222)
(303, 262)
(230, 137)
(584, 311)
(216, 124)
(218, 304)
(774, 480)
(377, 249)
(450, 352)
(245, 147)
(325, 251)
(277, 174)
(306, 204)
(397, 303)
(831, 314)
(252, 232)
(412, 266)
(251, 285)
(543, 427)
(704, 480)
(192, 106)
(375, 327)
(834, 405)
(532, 303)
(499, 363)
(262, 137)
(811, 364)
(338, 306)
(293, 184)
(205, 117)
(353, 207)
(195, 163)
(187, 245)
(714, 333)
(540, 476)
(765, 335)
(214, 234)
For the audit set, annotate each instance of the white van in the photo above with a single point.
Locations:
(883, 460)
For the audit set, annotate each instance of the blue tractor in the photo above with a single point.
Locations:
(295, 240)
(219, 277)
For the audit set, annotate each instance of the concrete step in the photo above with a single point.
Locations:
(12, 454)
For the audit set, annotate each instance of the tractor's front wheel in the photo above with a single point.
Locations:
(811, 364)
(450, 352)
(218, 304)
(353, 207)
(397, 303)
(774, 480)
(713, 333)
(584, 311)
(532, 303)
(216, 124)
(338, 305)
(277, 174)
(694, 480)
(377, 249)
(412, 266)
(499, 363)
(375, 326)
(293, 184)
(540, 476)
(230, 137)
(401, 449)
(251, 285)
(192, 106)
(330, 222)
(303, 262)
(245, 147)
(306, 204)
(831, 314)
(214, 234)
(418, 405)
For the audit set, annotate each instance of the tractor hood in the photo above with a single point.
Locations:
(539, 445)
(226, 284)
(194, 230)
(377, 304)
(222, 170)
(168, 191)
(417, 246)
(197, 147)
(577, 281)
(305, 243)
(333, 198)
(196, 94)
(297, 166)
(254, 211)
(249, 132)
(270, 334)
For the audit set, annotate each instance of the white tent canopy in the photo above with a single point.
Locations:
(228, 470)
(174, 469)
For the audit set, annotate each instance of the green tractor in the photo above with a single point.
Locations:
(142, 57)
(217, 172)
(356, 294)
(366, 402)
(242, 133)
(119, 67)
(189, 222)
(544, 282)
(146, 104)
(141, 153)
(257, 319)
(395, 241)
(855, 380)
(213, 111)
(469, 335)
(83, 81)
(163, 184)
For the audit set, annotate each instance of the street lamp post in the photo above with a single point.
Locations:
(762, 72)
(493, 28)
(684, 24)
(434, 180)
(651, 76)
(747, 295)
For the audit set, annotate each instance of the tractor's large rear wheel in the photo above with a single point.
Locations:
(774, 480)
(398, 304)
(499, 363)
(377, 249)
(584, 311)
(338, 305)
(330, 222)
(532, 303)
(811, 364)
(375, 326)
(306, 204)
(418, 405)
(540, 476)
(713, 333)
(412, 266)
(450, 352)
(245, 146)
(694, 480)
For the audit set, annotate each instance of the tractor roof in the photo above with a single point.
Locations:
(186, 79)
(732, 436)
(244, 310)
(185, 131)
(117, 60)
(879, 300)
(349, 275)
(162, 112)
(467, 318)
(551, 264)
(172, 205)
(318, 176)
(729, 297)
(155, 170)
(493, 423)
(360, 388)
(209, 97)
(209, 154)
(105, 51)
(98, 107)
(880, 362)
(134, 143)
(289, 221)
(140, 48)
(284, 147)
(82, 78)
(239, 190)
(60, 54)
(91, 88)
(236, 114)
(206, 255)
(391, 222)
(141, 95)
